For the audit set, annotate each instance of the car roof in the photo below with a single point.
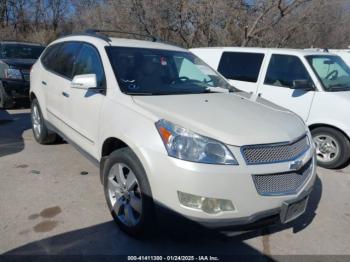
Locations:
(144, 44)
(122, 42)
(288, 51)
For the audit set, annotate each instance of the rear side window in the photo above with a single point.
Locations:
(65, 59)
(49, 56)
(284, 69)
(241, 66)
(89, 62)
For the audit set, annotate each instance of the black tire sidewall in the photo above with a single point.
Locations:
(126, 156)
(343, 142)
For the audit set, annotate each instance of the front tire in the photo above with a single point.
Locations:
(41, 133)
(128, 193)
(332, 147)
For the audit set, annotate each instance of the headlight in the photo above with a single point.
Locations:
(186, 145)
(11, 73)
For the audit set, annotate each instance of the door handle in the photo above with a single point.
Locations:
(65, 94)
(44, 83)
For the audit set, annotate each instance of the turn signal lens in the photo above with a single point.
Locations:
(165, 134)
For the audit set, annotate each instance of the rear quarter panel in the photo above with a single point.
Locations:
(36, 85)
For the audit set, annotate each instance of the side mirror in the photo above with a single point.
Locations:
(302, 84)
(84, 81)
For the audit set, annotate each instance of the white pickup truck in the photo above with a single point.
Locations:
(315, 85)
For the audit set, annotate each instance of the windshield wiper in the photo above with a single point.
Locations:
(217, 89)
(338, 85)
(139, 94)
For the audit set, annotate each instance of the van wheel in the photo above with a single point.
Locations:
(128, 193)
(41, 134)
(5, 101)
(332, 147)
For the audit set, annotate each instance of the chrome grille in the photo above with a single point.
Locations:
(272, 153)
(282, 183)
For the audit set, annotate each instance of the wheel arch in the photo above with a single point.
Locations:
(41, 100)
(32, 96)
(109, 145)
(316, 125)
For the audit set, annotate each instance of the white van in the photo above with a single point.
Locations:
(313, 84)
(343, 53)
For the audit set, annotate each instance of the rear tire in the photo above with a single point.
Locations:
(128, 193)
(41, 133)
(332, 147)
(5, 101)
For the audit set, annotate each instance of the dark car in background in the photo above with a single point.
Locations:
(16, 60)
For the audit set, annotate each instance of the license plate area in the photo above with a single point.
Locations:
(291, 211)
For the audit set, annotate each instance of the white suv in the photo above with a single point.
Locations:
(169, 132)
(315, 85)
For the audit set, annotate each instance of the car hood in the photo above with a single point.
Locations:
(20, 63)
(233, 118)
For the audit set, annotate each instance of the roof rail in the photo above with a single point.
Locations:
(102, 32)
(100, 36)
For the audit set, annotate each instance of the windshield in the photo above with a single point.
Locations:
(142, 71)
(20, 51)
(332, 72)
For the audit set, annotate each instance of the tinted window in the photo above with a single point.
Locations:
(20, 51)
(284, 69)
(65, 58)
(49, 56)
(88, 62)
(241, 66)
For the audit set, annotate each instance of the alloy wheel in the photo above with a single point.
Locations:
(36, 121)
(124, 194)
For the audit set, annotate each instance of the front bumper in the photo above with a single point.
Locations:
(168, 175)
(263, 218)
(16, 89)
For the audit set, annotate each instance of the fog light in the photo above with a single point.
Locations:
(190, 200)
(226, 205)
(211, 205)
(206, 204)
